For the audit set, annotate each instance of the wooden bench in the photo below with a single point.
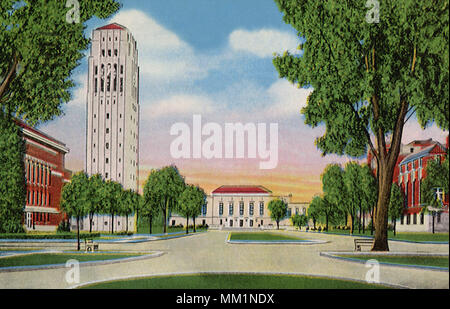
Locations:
(90, 245)
(363, 242)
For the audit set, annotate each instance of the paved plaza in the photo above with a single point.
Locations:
(210, 252)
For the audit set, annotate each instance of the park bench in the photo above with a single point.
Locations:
(90, 245)
(362, 242)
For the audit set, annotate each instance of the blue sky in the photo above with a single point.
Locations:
(214, 58)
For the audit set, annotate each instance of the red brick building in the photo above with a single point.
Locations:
(45, 176)
(409, 173)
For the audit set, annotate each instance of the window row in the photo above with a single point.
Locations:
(38, 198)
(242, 208)
(37, 173)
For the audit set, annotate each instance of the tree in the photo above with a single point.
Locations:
(299, 220)
(199, 202)
(12, 175)
(369, 78)
(335, 192)
(352, 181)
(369, 198)
(74, 199)
(94, 203)
(164, 187)
(190, 203)
(149, 206)
(42, 43)
(396, 204)
(112, 195)
(127, 204)
(314, 213)
(437, 177)
(278, 210)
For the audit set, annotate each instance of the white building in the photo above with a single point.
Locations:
(112, 135)
(241, 207)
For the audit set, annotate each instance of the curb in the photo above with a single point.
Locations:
(83, 264)
(333, 255)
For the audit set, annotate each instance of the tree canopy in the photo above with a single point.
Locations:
(278, 210)
(40, 50)
(12, 175)
(437, 177)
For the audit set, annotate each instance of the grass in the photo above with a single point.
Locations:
(59, 258)
(259, 236)
(233, 281)
(436, 261)
(412, 236)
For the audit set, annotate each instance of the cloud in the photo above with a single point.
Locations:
(286, 99)
(264, 42)
(176, 105)
(163, 56)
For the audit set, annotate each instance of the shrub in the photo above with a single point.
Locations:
(63, 227)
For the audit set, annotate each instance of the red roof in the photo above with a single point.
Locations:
(113, 26)
(242, 190)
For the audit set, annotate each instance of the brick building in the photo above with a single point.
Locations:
(409, 173)
(45, 176)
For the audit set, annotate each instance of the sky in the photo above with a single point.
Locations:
(213, 58)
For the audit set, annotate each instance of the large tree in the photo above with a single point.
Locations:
(94, 203)
(75, 199)
(278, 210)
(369, 77)
(112, 195)
(42, 43)
(369, 198)
(164, 187)
(12, 175)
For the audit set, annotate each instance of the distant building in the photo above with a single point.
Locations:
(112, 146)
(241, 207)
(45, 176)
(409, 174)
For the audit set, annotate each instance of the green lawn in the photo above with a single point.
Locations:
(59, 258)
(407, 260)
(233, 281)
(413, 236)
(261, 236)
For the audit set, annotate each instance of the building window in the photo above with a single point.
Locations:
(230, 209)
(220, 209)
(420, 162)
(107, 160)
(106, 175)
(422, 218)
(121, 84)
(408, 219)
(402, 219)
(116, 52)
(107, 146)
(289, 212)
(241, 208)
(261, 208)
(438, 218)
(415, 219)
(95, 84)
(251, 223)
(204, 209)
(103, 51)
(251, 208)
(107, 130)
(107, 115)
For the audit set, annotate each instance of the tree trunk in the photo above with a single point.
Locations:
(91, 220)
(381, 219)
(395, 225)
(166, 209)
(187, 224)
(351, 224)
(78, 233)
(193, 218)
(326, 225)
(371, 218)
(359, 221)
(433, 220)
(150, 219)
(363, 221)
(314, 223)
(127, 221)
(278, 225)
(112, 223)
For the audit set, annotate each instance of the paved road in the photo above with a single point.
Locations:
(210, 252)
